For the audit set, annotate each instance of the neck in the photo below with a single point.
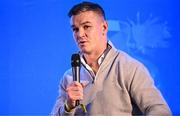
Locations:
(92, 59)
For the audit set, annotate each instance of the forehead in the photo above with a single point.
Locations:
(87, 16)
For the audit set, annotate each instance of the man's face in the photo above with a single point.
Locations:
(89, 31)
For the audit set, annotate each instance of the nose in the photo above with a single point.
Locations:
(80, 33)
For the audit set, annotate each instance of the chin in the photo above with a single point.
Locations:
(85, 51)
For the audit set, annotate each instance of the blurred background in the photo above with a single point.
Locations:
(36, 44)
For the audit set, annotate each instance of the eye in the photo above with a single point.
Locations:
(86, 27)
(75, 29)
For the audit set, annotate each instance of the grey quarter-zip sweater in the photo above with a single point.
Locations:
(121, 87)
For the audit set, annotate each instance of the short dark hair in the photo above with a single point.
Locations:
(86, 6)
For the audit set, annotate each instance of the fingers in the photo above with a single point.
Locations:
(83, 85)
(75, 86)
(75, 91)
(73, 97)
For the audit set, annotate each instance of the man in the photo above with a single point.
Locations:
(112, 83)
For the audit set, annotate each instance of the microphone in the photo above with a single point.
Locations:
(75, 63)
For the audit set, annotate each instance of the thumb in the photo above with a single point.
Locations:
(84, 83)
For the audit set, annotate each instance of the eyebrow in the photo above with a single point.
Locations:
(86, 22)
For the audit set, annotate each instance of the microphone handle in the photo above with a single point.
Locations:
(77, 103)
(77, 78)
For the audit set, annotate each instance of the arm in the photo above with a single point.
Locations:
(69, 92)
(59, 107)
(146, 95)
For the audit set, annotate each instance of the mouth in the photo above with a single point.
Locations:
(81, 43)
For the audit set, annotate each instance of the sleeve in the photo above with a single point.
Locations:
(144, 93)
(59, 107)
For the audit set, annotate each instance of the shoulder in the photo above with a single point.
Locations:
(132, 69)
(122, 57)
(127, 60)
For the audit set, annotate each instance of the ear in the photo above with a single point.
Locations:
(105, 27)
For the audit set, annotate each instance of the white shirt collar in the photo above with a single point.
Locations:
(100, 59)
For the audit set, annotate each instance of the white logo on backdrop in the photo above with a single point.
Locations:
(140, 38)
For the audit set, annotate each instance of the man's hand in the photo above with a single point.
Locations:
(74, 92)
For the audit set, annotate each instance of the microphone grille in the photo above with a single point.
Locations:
(75, 60)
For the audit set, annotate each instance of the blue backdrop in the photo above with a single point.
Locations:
(36, 46)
